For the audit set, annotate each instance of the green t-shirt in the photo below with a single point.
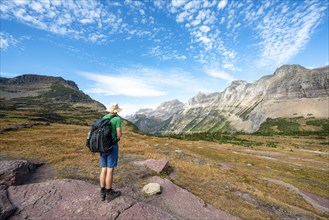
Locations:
(116, 122)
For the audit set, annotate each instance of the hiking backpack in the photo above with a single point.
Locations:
(99, 138)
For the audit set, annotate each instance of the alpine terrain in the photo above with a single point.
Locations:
(47, 98)
(292, 92)
(47, 172)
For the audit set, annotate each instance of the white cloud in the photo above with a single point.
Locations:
(144, 82)
(205, 40)
(7, 40)
(9, 75)
(201, 20)
(182, 16)
(222, 4)
(177, 3)
(279, 30)
(219, 74)
(165, 53)
(36, 6)
(121, 85)
(204, 28)
(285, 35)
(230, 66)
(131, 108)
(78, 19)
(279, 35)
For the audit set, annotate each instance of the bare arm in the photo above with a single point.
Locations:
(119, 133)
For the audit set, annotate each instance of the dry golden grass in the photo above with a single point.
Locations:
(196, 167)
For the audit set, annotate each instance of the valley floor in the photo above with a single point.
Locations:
(287, 179)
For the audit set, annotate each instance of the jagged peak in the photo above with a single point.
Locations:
(238, 83)
(199, 94)
(172, 102)
(289, 69)
(173, 105)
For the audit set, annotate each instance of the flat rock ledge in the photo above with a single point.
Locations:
(76, 199)
(185, 205)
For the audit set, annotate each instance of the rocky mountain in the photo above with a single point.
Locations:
(292, 91)
(47, 97)
(149, 120)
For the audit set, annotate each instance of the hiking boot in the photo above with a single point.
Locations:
(103, 195)
(110, 195)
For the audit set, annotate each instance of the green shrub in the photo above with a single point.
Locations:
(271, 144)
(323, 123)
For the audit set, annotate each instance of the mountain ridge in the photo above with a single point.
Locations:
(50, 97)
(32, 78)
(244, 106)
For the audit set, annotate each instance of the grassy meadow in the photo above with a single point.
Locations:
(230, 175)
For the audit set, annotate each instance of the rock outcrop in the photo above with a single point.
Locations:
(245, 106)
(6, 208)
(76, 199)
(15, 172)
(12, 172)
(22, 125)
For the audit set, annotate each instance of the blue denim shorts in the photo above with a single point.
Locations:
(110, 159)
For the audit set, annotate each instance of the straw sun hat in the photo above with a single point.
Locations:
(114, 108)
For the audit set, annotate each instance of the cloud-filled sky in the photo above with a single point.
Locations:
(142, 53)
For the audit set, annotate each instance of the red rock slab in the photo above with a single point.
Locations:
(64, 199)
(156, 165)
(184, 204)
(143, 211)
(225, 166)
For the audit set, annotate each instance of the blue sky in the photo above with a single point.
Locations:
(142, 53)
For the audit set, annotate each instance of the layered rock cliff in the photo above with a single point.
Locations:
(292, 91)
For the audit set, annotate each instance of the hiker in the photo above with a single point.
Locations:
(108, 161)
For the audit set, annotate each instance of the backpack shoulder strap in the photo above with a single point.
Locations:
(112, 116)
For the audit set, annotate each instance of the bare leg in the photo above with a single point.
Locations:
(109, 178)
(102, 177)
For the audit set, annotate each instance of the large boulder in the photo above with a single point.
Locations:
(156, 165)
(15, 172)
(152, 189)
(184, 204)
